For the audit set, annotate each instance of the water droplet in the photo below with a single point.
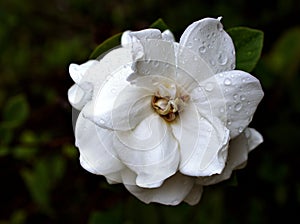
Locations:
(221, 74)
(202, 49)
(213, 34)
(212, 62)
(240, 129)
(222, 110)
(196, 39)
(242, 97)
(222, 59)
(243, 80)
(101, 121)
(247, 133)
(208, 36)
(238, 107)
(190, 45)
(235, 96)
(227, 82)
(248, 102)
(229, 122)
(209, 87)
(175, 202)
(156, 63)
(209, 46)
(229, 107)
(232, 66)
(195, 58)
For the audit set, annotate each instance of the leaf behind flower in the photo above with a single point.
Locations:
(248, 45)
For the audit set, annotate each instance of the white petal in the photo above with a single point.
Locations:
(238, 151)
(130, 36)
(254, 138)
(78, 71)
(96, 148)
(149, 150)
(173, 191)
(78, 97)
(242, 93)
(158, 59)
(116, 61)
(203, 142)
(119, 105)
(208, 39)
(195, 195)
(191, 68)
(168, 35)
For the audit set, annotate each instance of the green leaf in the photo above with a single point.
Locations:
(42, 179)
(159, 24)
(284, 57)
(112, 216)
(107, 45)
(15, 111)
(248, 46)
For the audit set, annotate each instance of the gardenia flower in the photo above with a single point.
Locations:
(166, 118)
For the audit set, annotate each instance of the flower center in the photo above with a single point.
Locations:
(168, 108)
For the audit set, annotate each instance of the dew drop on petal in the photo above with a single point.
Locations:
(242, 97)
(156, 63)
(175, 202)
(238, 107)
(101, 121)
(229, 122)
(235, 96)
(222, 110)
(209, 87)
(212, 62)
(190, 45)
(240, 129)
(202, 49)
(222, 59)
(247, 133)
(227, 82)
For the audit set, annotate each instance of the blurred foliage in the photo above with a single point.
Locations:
(41, 179)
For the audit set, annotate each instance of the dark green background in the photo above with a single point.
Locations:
(41, 180)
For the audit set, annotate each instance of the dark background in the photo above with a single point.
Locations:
(41, 180)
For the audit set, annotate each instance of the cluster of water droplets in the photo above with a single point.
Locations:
(213, 45)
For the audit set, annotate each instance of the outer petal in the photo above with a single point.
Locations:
(195, 195)
(168, 35)
(203, 143)
(208, 39)
(78, 71)
(78, 97)
(133, 41)
(96, 148)
(119, 106)
(149, 150)
(237, 155)
(80, 93)
(173, 191)
(242, 94)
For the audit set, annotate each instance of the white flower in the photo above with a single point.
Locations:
(166, 118)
